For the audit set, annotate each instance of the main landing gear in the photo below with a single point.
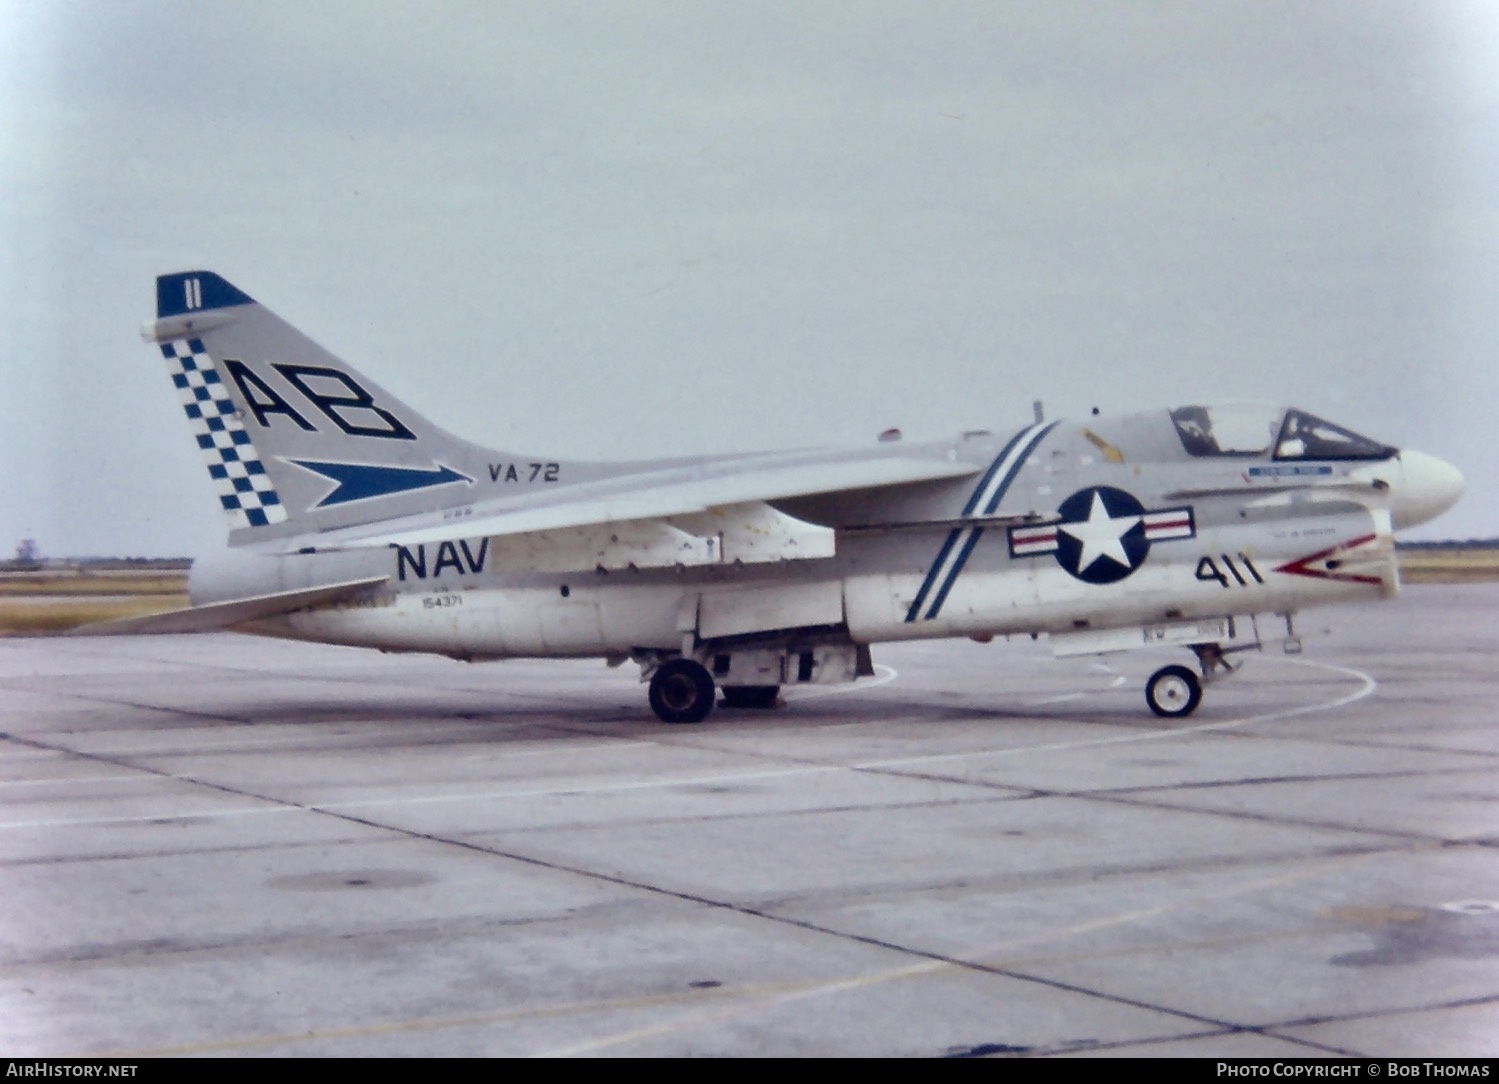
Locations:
(682, 691)
(1173, 692)
(750, 672)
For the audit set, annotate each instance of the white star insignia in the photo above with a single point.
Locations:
(1100, 535)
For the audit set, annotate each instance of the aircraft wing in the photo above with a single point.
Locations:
(225, 615)
(658, 495)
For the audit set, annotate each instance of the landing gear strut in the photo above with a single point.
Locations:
(681, 691)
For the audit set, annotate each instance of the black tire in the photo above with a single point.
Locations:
(750, 696)
(1173, 692)
(681, 692)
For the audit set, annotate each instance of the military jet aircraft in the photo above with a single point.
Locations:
(353, 520)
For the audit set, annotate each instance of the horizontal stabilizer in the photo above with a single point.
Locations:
(227, 615)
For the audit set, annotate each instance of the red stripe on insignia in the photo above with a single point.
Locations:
(1178, 530)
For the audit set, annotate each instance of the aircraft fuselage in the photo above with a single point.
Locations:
(355, 520)
(1154, 541)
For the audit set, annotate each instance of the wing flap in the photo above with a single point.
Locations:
(605, 546)
(753, 533)
(226, 615)
(756, 533)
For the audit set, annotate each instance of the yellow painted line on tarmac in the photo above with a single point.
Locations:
(732, 1001)
(995, 956)
(729, 1001)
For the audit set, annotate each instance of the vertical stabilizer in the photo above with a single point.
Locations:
(295, 439)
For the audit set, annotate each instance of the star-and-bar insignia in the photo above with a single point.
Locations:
(1102, 534)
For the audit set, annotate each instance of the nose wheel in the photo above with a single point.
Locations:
(1173, 692)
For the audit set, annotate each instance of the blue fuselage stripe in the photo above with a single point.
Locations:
(989, 493)
(1009, 478)
(931, 576)
(974, 534)
(978, 492)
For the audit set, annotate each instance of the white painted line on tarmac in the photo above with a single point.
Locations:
(310, 740)
(135, 778)
(794, 694)
(1472, 907)
(563, 790)
(558, 791)
(1368, 686)
(147, 818)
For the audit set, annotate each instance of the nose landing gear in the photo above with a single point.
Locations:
(1174, 692)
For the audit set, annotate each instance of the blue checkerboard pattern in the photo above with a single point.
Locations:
(239, 477)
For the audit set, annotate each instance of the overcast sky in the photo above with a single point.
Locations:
(632, 229)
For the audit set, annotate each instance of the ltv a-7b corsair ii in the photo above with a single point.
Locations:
(353, 520)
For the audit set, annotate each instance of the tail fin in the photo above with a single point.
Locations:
(295, 439)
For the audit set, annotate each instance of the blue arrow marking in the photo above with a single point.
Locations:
(361, 481)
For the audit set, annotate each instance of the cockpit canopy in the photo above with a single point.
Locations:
(1246, 430)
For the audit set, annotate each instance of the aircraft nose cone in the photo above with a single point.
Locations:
(1428, 487)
